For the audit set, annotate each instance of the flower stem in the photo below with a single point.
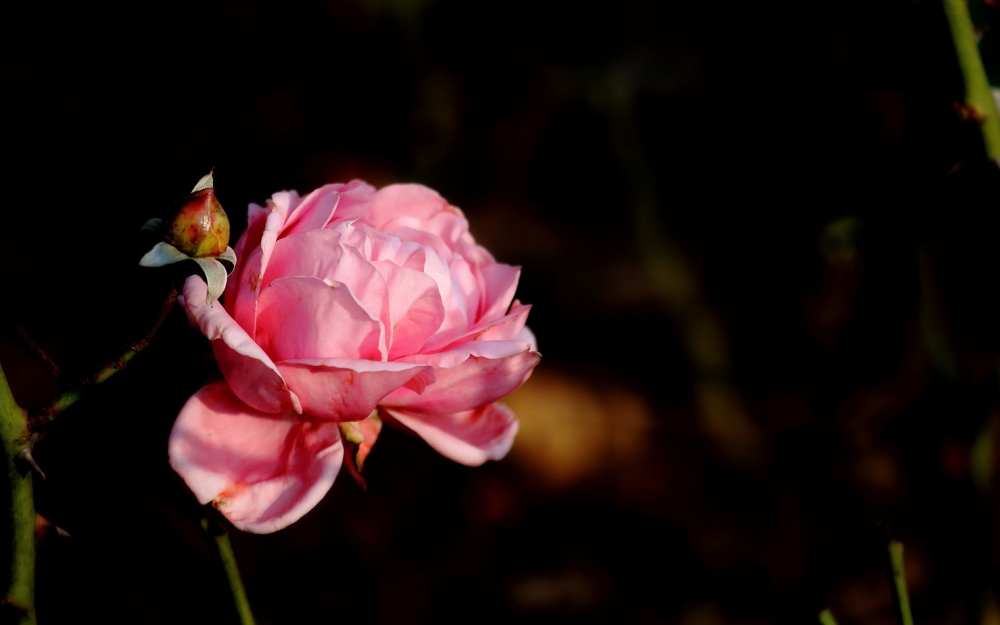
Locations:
(900, 596)
(37, 420)
(18, 602)
(979, 100)
(228, 558)
(826, 618)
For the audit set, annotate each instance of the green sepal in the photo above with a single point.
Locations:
(351, 431)
(205, 182)
(162, 254)
(228, 260)
(215, 277)
(153, 224)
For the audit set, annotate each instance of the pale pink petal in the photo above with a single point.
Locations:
(320, 254)
(468, 376)
(261, 471)
(470, 438)
(501, 282)
(256, 217)
(456, 320)
(245, 287)
(332, 202)
(300, 317)
(343, 389)
(505, 328)
(355, 202)
(469, 284)
(245, 284)
(526, 335)
(415, 308)
(404, 205)
(249, 370)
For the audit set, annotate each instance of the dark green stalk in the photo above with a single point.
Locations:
(979, 103)
(18, 602)
(225, 548)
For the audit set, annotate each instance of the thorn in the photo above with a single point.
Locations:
(26, 456)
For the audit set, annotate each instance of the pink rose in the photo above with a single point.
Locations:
(343, 302)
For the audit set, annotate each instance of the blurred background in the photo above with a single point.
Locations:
(759, 241)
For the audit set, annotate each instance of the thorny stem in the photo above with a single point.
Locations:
(225, 548)
(18, 602)
(37, 420)
(979, 102)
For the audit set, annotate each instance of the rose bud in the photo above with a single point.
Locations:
(199, 227)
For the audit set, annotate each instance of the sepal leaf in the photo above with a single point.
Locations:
(162, 254)
(215, 277)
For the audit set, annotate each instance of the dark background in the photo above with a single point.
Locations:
(760, 246)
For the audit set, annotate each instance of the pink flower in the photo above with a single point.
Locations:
(343, 302)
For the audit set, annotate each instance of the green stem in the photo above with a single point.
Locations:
(900, 596)
(232, 573)
(978, 96)
(37, 420)
(19, 598)
(826, 618)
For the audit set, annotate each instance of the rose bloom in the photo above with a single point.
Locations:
(348, 307)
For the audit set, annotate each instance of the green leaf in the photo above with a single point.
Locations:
(162, 254)
(215, 277)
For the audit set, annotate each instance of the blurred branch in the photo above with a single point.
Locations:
(18, 603)
(51, 367)
(900, 596)
(979, 102)
(675, 284)
(40, 418)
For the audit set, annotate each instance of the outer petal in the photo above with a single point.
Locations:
(341, 389)
(249, 371)
(471, 437)
(505, 328)
(474, 374)
(501, 282)
(262, 471)
(256, 218)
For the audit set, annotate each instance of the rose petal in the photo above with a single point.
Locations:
(415, 308)
(404, 205)
(315, 210)
(256, 218)
(343, 389)
(505, 328)
(469, 376)
(320, 254)
(471, 437)
(249, 370)
(301, 317)
(355, 202)
(261, 471)
(501, 282)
